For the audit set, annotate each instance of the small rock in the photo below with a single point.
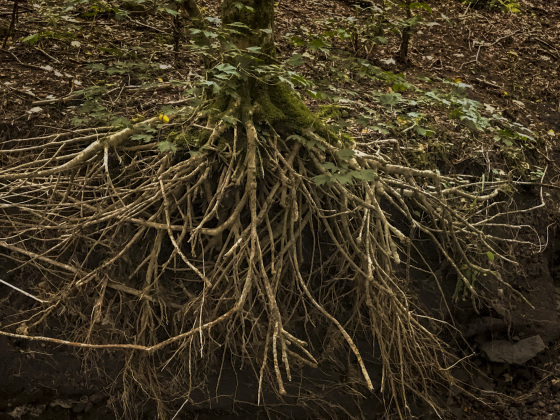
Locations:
(503, 351)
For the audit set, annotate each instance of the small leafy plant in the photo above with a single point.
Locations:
(511, 6)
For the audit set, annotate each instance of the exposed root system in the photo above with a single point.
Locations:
(232, 251)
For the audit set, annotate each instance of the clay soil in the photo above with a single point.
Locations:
(512, 62)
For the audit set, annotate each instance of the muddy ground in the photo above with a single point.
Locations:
(510, 59)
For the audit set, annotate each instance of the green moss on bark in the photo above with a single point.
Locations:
(279, 104)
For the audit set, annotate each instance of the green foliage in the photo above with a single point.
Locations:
(167, 146)
(47, 34)
(309, 143)
(511, 6)
(332, 111)
(94, 8)
(469, 112)
(470, 275)
(390, 99)
(339, 170)
(375, 25)
(91, 112)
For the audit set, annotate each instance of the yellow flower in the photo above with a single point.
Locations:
(163, 118)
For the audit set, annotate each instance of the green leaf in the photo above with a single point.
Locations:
(239, 25)
(365, 175)
(418, 5)
(363, 120)
(423, 132)
(322, 179)
(295, 60)
(400, 87)
(297, 137)
(413, 21)
(168, 110)
(121, 121)
(460, 91)
(345, 154)
(230, 120)
(317, 44)
(96, 67)
(343, 178)
(31, 39)
(166, 146)
(490, 256)
(194, 102)
(390, 99)
(381, 130)
(76, 121)
(330, 166)
(144, 138)
(214, 85)
(210, 34)
(226, 68)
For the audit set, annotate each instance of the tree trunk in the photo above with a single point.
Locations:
(402, 54)
(270, 100)
(258, 15)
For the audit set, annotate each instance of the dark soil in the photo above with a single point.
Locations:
(512, 62)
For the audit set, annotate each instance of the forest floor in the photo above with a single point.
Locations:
(82, 67)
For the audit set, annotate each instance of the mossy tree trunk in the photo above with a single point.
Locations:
(269, 101)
